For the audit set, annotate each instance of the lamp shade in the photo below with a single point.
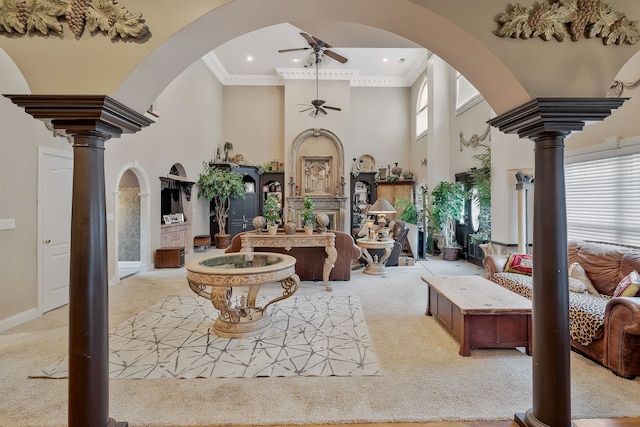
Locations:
(381, 206)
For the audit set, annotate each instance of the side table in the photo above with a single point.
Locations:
(375, 265)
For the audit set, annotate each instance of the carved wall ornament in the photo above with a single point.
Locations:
(474, 140)
(618, 86)
(45, 16)
(574, 18)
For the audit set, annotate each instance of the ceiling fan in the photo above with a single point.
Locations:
(318, 107)
(320, 49)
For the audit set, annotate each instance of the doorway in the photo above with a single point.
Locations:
(131, 222)
(128, 225)
(55, 187)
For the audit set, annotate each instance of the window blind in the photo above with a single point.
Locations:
(603, 200)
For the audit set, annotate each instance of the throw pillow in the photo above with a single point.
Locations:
(577, 271)
(629, 286)
(577, 286)
(519, 263)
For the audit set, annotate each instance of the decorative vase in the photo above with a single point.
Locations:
(308, 229)
(289, 228)
(272, 229)
(396, 170)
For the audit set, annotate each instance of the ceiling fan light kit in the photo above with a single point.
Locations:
(320, 49)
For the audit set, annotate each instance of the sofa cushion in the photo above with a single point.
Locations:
(629, 286)
(602, 263)
(578, 286)
(586, 311)
(577, 272)
(519, 283)
(586, 317)
(519, 263)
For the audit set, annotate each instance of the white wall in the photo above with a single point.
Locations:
(187, 132)
(21, 135)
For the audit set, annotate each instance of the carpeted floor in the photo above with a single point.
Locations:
(422, 376)
(314, 335)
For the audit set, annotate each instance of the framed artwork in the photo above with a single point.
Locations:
(176, 218)
(167, 219)
(317, 175)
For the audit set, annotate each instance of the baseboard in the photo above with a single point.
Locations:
(18, 319)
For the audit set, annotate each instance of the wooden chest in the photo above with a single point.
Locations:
(169, 257)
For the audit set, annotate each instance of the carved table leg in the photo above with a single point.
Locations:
(332, 255)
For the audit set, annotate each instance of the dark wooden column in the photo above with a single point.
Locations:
(548, 121)
(90, 121)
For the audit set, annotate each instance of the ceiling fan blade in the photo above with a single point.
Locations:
(294, 49)
(332, 54)
(307, 109)
(309, 39)
(332, 108)
(320, 42)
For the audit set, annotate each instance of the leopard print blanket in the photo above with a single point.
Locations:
(586, 311)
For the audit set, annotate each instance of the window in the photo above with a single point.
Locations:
(466, 94)
(422, 110)
(603, 199)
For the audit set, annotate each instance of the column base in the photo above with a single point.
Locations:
(114, 423)
(529, 420)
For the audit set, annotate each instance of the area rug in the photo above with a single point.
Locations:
(317, 335)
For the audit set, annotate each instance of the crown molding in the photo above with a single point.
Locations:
(282, 74)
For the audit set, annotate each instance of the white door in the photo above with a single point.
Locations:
(54, 217)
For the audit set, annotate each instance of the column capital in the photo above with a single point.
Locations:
(83, 114)
(559, 116)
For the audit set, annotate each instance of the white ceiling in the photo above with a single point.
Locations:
(375, 57)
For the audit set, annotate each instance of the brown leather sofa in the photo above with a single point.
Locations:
(616, 338)
(310, 261)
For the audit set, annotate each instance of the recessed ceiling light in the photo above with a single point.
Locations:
(249, 58)
(296, 60)
(384, 60)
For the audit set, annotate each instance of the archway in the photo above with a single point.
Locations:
(143, 190)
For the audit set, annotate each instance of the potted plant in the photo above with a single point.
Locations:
(219, 185)
(271, 212)
(447, 205)
(308, 214)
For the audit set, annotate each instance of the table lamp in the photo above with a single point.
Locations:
(381, 207)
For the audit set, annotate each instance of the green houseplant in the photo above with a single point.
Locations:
(271, 212)
(219, 185)
(447, 205)
(481, 178)
(308, 214)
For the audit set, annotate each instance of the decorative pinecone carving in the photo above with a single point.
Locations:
(23, 12)
(585, 15)
(75, 16)
(574, 18)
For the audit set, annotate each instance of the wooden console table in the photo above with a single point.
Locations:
(480, 313)
(327, 240)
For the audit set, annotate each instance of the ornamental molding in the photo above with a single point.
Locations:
(618, 86)
(569, 18)
(47, 16)
(475, 139)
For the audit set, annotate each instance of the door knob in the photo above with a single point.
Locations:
(46, 242)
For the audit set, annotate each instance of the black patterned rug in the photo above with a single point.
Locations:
(309, 336)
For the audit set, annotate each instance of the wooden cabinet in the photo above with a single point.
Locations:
(363, 194)
(175, 235)
(392, 191)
